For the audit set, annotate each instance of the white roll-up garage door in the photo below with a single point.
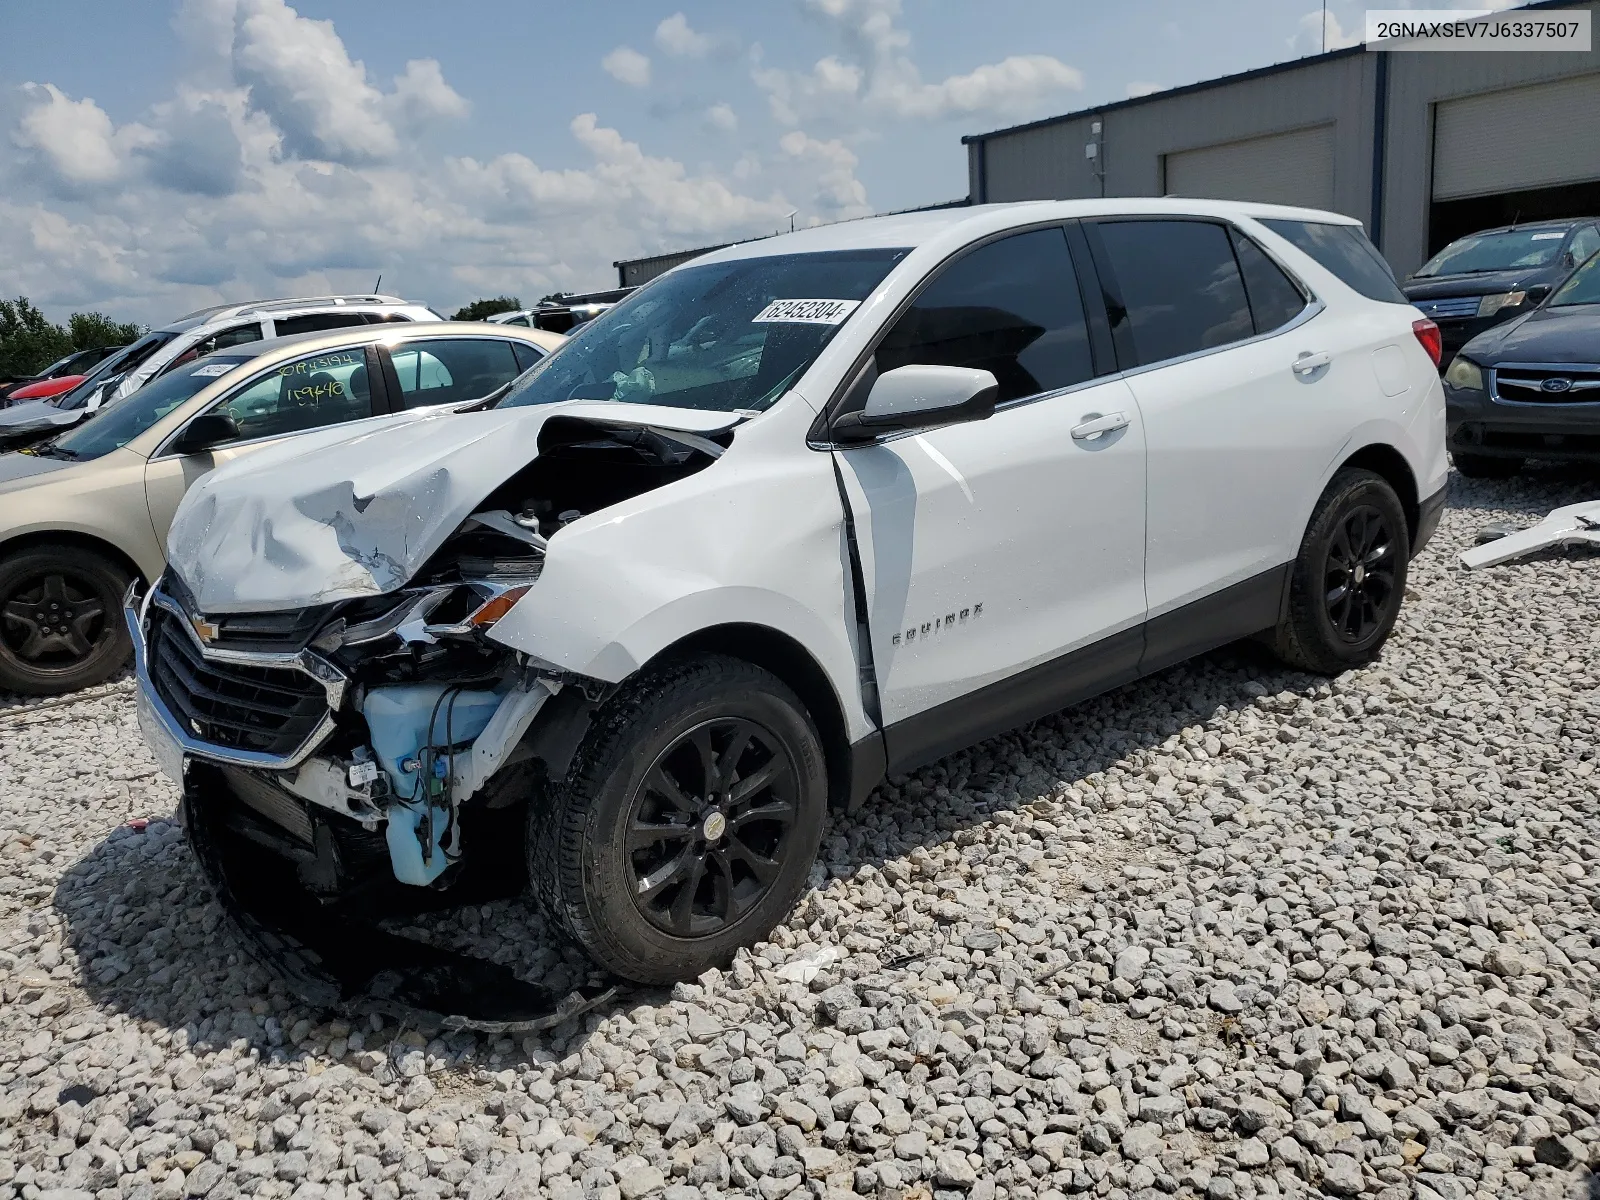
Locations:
(1279, 168)
(1511, 141)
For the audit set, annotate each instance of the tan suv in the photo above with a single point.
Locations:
(84, 514)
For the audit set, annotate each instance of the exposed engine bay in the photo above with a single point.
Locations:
(383, 750)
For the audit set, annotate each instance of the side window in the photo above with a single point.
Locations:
(236, 335)
(372, 318)
(526, 355)
(1275, 300)
(322, 389)
(1011, 307)
(452, 370)
(1584, 243)
(315, 322)
(1345, 251)
(1177, 288)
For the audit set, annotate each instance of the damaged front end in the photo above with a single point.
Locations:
(374, 756)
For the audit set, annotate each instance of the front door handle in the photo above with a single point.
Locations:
(1307, 362)
(1095, 426)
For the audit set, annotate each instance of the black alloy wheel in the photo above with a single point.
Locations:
(1348, 580)
(61, 624)
(708, 826)
(1360, 573)
(687, 822)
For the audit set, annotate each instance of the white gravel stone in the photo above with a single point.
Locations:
(1231, 932)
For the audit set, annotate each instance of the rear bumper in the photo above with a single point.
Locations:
(1429, 511)
(1475, 424)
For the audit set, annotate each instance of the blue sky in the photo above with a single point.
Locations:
(158, 157)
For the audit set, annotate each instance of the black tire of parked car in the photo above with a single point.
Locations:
(1349, 579)
(61, 624)
(688, 822)
(1485, 466)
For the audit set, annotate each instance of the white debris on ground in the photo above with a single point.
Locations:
(1230, 932)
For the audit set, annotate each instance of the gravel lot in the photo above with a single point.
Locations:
(1230, 932)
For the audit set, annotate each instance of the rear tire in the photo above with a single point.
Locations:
(1485, 466)
(688, 822)
(61, 624)
(1349, 579)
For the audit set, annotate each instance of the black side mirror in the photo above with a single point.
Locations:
(206, 432)
(919, 397)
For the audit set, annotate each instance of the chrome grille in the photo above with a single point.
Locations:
(1448, 307)
(1547, 383)
(264, 709)
(279, 632)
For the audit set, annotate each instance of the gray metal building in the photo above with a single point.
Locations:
(1422, 147)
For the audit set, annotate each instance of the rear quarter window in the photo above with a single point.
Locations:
(1345, 251)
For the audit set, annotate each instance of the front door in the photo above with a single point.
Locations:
(1003, 559)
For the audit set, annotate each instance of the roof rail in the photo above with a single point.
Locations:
(291, 302)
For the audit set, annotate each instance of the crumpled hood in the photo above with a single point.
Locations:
(36, 414)
(334, 515)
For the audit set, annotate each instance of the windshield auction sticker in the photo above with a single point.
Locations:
(806, 312)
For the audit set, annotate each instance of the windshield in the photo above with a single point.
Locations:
(118, 424)
(726, 336)
(123, 360)
(1506, 250)
(1581, 287)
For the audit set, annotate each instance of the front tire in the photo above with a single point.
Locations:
(1485, 466)
(61, 625)
(688, 822)
(1349, 578)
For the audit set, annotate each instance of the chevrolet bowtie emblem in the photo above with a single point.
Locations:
(205, 630)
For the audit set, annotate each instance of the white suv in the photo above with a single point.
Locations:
(796, 515)
(224, 325)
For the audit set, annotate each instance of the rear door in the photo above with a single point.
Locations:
(1004, 559)
(431, 371)
(1245, 401)
(327, 388)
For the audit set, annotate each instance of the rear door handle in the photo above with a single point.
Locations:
(1097, 425)
(1308, 362)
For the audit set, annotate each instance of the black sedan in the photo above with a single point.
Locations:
(1487, 278)
(1530, 388)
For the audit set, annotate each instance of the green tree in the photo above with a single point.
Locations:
(479, 309)
(96, 329)
(29, 342)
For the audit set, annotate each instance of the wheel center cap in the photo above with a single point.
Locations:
(714, 826)
(1361, 573)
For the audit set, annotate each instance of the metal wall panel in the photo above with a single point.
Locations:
(1418, 83)
(1517, 139)
(1281, 168)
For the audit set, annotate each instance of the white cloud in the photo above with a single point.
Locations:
(1139, 88)
(839, 193)
(675, 37)
(1318, 32)
(75, 137)
(875, 73)
(722, 118)
(422, 97)
(627, 65)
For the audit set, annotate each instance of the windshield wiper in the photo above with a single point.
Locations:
(51, 450)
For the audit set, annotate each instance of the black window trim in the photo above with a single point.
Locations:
(164, 450)
(395, 394)
(1314, 304)
(1104, 368)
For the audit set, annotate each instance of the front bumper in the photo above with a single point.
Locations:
(1477, 424)
(171, 741)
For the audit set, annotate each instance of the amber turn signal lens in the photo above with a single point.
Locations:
(498, 607)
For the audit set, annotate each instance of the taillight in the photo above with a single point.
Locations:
(1428, 334)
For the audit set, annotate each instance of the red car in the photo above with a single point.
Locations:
(58, 377)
